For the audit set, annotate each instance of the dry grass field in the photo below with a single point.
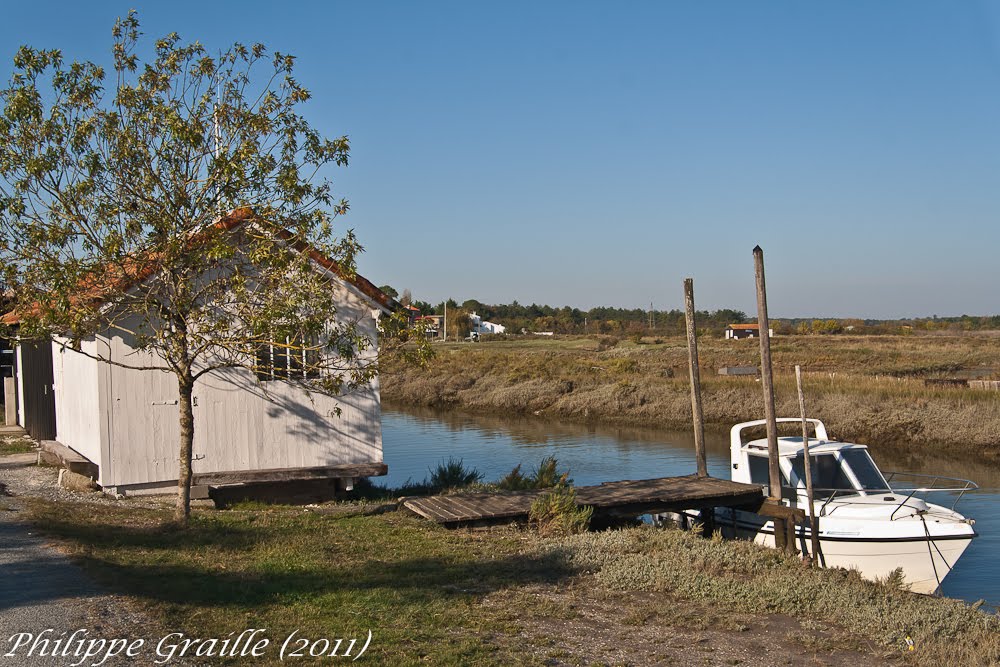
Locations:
(869, 389)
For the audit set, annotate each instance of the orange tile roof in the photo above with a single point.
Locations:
(136, 271)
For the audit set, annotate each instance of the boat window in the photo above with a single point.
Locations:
(761, 474)
(826, 473)
(864, 469)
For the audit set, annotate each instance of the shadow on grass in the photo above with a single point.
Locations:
(156, 535)
(253, 566)
(416, 581)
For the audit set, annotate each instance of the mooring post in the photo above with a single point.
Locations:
(810, 497)
(708, 522)
(696, 412)
(767, 383)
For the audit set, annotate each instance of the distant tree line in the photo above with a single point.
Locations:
(804, 326)
(568, 320)
(633, 321)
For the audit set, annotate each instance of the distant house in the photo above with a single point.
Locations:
(480, 327)
(249, 428)
(412, 313)
(736, 331)
(433, 325)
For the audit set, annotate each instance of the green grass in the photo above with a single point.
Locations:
(16, 446)
(496, 597)
(413, 584)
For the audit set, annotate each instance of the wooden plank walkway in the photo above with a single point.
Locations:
(623, 499)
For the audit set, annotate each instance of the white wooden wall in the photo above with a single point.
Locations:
(77, 399)
(240, 424)
(143, 430)
(20, 385)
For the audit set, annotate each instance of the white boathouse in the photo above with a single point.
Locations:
(124, 422)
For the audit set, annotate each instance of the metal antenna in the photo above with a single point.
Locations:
(215, 129)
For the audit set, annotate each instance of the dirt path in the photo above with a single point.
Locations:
(43, 595)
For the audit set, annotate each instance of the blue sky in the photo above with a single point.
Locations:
(597, 153)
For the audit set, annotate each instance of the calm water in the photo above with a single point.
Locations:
(416, 440)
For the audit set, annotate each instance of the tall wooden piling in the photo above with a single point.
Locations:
(696, 410)
(810, 498)
(767, 383)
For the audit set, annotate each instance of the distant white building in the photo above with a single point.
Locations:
(737, 331)
(481, 327)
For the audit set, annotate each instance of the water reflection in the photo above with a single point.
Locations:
(415, 440)
(418, 439)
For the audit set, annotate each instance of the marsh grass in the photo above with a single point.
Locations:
(744, 578)
(867, 389)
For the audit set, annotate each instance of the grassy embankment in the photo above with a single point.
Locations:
(506, 596)
(868, 389)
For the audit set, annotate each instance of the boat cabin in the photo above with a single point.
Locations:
(838, 468)
(866, 525)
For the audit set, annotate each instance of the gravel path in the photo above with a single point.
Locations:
(40, 588)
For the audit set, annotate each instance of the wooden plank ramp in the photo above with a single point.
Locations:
(620, 499)
(55, 453)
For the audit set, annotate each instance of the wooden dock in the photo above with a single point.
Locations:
(611, 499)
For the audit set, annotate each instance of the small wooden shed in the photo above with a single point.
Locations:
(125, 421)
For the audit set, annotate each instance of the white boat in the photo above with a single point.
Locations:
(869, 521)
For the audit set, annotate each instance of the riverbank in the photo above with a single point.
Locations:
(866, 389)
(502, 596)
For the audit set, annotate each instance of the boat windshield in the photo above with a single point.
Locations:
(827, 474)
(864, 469)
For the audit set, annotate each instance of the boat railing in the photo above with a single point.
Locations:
(912, 484)
(937, 483)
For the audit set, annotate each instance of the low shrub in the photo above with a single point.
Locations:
(452, 474)
(606, 343)
(515, 480)
(555, 512)
(545, 476)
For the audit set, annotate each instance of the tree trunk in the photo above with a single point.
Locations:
(185, 384)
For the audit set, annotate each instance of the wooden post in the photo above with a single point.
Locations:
(810, 498)
(708, 522)
(696, 412)
(10, 401)
(767, 383)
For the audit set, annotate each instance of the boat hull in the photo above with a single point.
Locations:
(925, 562)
